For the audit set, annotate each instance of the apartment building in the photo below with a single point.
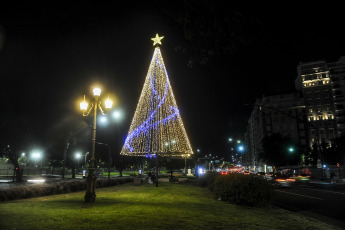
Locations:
(284, 114)
(323, 87)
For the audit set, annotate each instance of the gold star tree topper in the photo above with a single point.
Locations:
(157, 40)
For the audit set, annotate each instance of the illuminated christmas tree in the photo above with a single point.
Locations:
(157, 127)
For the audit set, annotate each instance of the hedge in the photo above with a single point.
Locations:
(51, 188)
(242, 189)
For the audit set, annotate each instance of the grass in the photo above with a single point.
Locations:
(170, 206)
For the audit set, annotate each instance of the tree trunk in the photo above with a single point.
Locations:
(73, 172)
(18, 174)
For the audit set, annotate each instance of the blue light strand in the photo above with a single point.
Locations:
(143, 128)
(147, 126)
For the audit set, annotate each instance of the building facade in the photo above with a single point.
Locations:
(323, 87)
(316, 115)
(337, 73)
(284, 114)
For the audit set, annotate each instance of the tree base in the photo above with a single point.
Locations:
(90, 196)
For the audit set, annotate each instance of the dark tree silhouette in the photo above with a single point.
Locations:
(213, 27)
(13, 156)
(276, 150)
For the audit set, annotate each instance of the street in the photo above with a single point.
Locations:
(321, 201)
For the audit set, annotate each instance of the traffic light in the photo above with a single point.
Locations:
(338, 165)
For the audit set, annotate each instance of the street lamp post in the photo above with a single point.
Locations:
(90, 195)
(85, 158)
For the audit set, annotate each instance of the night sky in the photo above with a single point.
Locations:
(50, 55)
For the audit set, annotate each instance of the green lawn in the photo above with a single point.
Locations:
(170, 206)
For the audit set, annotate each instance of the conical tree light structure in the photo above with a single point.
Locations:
(157, 127)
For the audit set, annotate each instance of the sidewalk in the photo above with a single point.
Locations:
(328, 181)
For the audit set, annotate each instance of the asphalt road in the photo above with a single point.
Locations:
(324, 202)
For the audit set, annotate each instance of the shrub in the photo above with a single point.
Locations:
(51, 188)
(242, 189)
(208, 179)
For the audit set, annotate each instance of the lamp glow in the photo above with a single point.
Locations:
(108, 103)
(77, 155)
(83, 105)
(103, 119)
(97, 92)
(36, 155)
(116, 114)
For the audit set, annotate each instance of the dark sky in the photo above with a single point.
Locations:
(50, 55)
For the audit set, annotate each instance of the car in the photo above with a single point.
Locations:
(261, 173)
(224, 172)
(282, 180)
(264, 175)
(303, 178)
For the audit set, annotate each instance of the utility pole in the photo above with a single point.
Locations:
(65, 154)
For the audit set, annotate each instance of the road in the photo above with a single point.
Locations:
(321, 201)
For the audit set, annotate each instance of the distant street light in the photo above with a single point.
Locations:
(36, 156)
(241, 149)
(90, 195)
(77, 156)
(104, 119)
(117, 115)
